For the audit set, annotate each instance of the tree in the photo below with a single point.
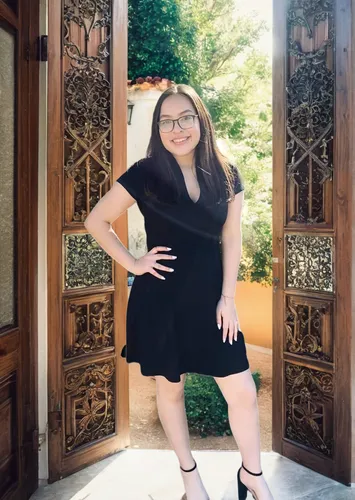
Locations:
(243, 121)
(232, 106)
(159, 40)
(221, 35)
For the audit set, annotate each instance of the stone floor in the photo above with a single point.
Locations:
(154, 475)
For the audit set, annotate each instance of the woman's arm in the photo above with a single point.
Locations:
(232, 245)
(231, 254)
(99, 225)
(100, 220)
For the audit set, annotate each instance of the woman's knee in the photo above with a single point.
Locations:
(245, 396)
(170, 390)
(238, 390)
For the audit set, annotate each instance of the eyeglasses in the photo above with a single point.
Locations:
(185, 122)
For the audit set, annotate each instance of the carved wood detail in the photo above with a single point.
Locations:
(88, 325)
(89, 404)
(309, 408)
(86, 291)
(310, 110)
(8, 434)
(309, 328)
(87, 105)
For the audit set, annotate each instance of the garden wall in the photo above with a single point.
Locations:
(138, 135)
(254, 306)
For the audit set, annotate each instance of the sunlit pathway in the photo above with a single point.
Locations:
(154, 475)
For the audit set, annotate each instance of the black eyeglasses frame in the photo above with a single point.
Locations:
(174, 121)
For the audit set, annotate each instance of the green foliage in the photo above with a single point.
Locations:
(234, 80)
(159, 40)
(241, 108)
(221, 36)
(226, 109)
(255, 167)
(256, 263)
(206, 408)
(252, 152)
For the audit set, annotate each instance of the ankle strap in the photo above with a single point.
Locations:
(190, 470)
(252, 473)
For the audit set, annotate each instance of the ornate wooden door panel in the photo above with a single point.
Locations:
(312, 251)
(88, 416)
(18, 257)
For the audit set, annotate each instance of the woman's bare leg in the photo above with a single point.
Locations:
(172, 414)
(240, 394)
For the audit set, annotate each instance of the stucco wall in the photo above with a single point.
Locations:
(254, 307)
(138, 135)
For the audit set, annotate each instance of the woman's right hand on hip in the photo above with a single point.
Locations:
(148, 263)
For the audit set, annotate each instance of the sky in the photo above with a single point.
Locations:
(263, 9)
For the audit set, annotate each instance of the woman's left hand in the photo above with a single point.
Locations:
(227, 318)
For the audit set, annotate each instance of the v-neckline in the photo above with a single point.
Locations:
(187, 191)
(185, 186)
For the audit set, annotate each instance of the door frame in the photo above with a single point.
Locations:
(27, 137)
(32, 146)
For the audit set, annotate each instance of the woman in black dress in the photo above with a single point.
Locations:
(181, 314)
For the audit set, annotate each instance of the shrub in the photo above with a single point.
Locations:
(256, 262)
(206, 408)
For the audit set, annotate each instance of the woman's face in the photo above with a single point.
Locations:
(179, 141)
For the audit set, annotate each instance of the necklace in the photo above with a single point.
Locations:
(200, 168)
(208, 173)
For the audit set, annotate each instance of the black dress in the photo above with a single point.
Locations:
(171, 324)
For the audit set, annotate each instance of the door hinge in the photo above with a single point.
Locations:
(42, 48)
(41, 439)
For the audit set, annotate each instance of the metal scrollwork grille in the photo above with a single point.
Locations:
(310, 103)
(87, 105)
(309, 262)
(309, 408)
(86, 264)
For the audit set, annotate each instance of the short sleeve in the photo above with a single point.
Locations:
(238, 181)
(134, 180)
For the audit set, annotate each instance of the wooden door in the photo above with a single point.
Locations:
(18, 248)
(313, 219)
(87, 292)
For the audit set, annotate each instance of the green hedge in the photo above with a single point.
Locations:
(206, 408)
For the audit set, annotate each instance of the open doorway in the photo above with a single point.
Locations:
(225, 53)
(305, 253)
(87, 154)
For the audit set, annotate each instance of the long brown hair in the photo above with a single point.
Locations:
(207, 154)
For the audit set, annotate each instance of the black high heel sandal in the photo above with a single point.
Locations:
(242, 489)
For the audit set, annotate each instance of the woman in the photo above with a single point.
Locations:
(181, 314)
